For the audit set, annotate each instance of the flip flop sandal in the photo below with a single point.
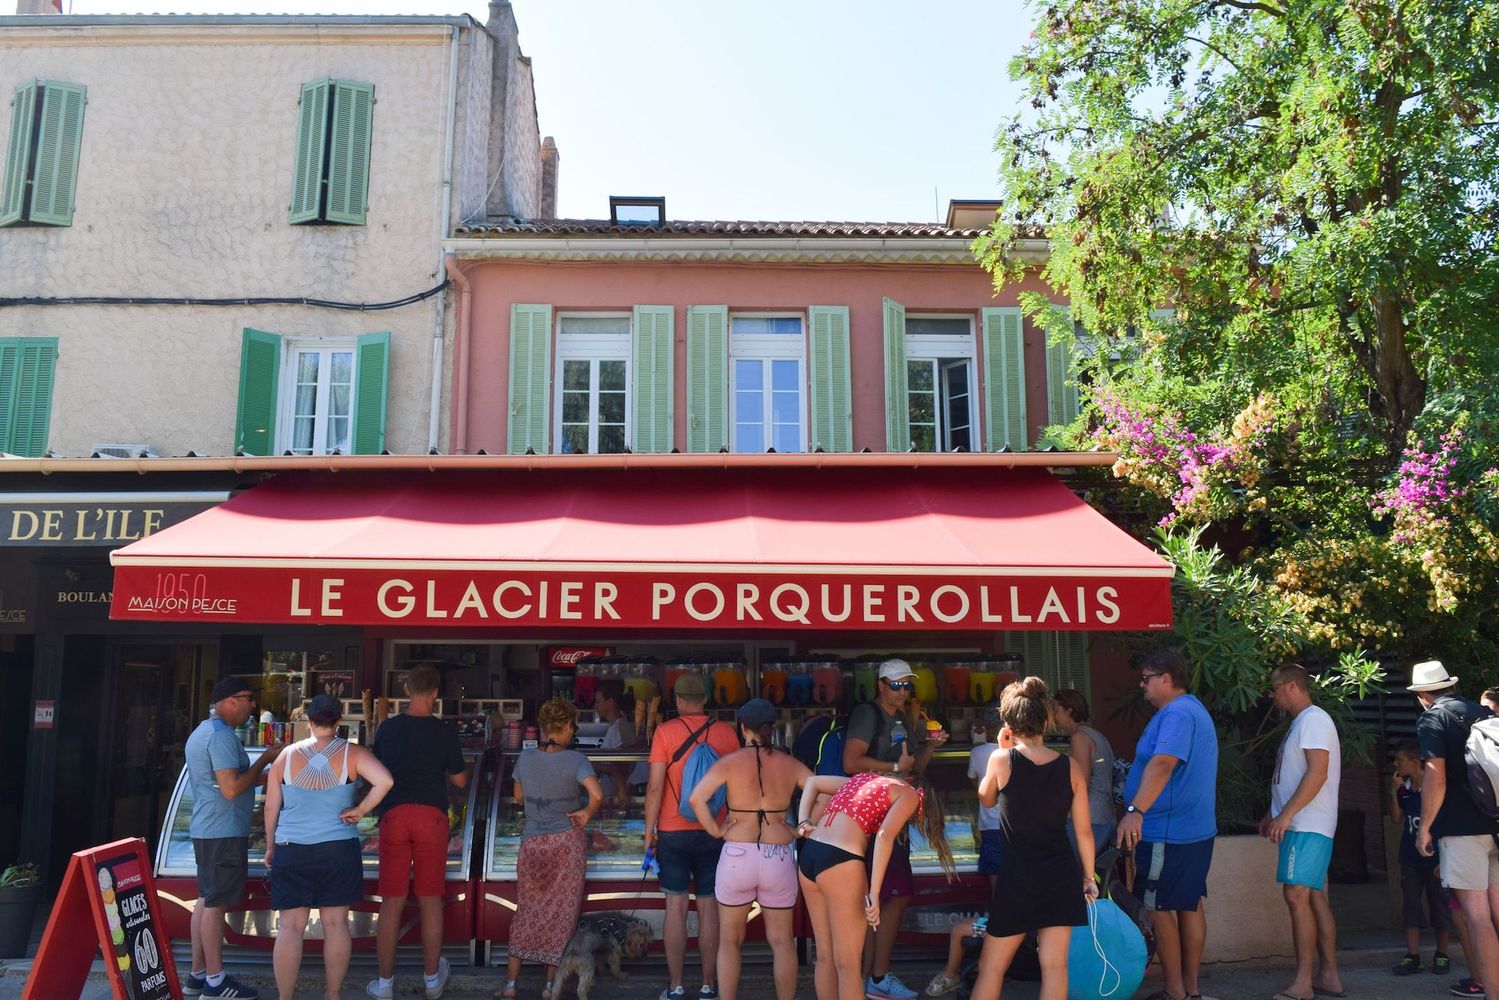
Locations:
(1329, 993)
(509, 992)
(1290, 996)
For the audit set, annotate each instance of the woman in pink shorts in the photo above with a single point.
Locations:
(757, 861)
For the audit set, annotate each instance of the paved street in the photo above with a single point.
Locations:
(1366, 977)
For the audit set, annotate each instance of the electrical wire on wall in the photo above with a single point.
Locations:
(155, 300)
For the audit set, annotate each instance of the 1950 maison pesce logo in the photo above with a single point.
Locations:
(181, 594)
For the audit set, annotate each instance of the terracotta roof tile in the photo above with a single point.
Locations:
(674, 227)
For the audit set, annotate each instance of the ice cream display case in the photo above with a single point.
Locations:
(251, 924)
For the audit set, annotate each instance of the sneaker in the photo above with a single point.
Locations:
(230, 988)
(707, 992)
(444, 971)
(1467, 988)
(1409, 966)
(888, 988)
(674, 993)
(1441, 965)
(192, 985)
(941, 985)
(374, 989)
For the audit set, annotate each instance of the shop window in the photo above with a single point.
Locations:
(592, 410)
(939, 383)
(767, 374)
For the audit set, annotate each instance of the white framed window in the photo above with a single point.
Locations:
(940, 390)
(317, 398)
(592, 409)
(767, 382)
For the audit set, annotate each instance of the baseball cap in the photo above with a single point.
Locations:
(755, 713)
(228, 688)
(324, 709)
(690, 686)
(895, 669)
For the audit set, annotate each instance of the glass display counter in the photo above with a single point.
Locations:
(174, 857)
(947, 773)
(616, 836)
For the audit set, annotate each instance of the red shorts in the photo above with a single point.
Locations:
(413, 836)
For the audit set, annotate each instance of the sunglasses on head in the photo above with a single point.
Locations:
(902, 685)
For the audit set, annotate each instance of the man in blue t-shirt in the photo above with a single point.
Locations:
(223, 783)
(1169, 817)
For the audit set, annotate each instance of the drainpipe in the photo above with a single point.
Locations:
(461, 321)
(445, 209)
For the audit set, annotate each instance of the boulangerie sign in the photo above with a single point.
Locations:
(648, 597)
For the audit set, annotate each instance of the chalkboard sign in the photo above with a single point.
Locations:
(111, 888)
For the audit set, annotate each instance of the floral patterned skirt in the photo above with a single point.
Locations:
(550, 871)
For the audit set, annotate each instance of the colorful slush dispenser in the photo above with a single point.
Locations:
(799, 684)
(773, 682)
(729, 686)
(866, 681)
(827, 682)
(1007, 670)
(585, 682)
(673, 670)
(926, 682)
(955, 681)
(981, 683)
(640, 678)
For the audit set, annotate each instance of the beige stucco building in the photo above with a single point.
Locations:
(246, 158)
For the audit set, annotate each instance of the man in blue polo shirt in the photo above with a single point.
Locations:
(223, 783)
(1169, 818)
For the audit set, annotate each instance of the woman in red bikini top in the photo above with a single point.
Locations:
(867, 807)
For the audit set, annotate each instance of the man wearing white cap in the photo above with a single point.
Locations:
(1450, 816)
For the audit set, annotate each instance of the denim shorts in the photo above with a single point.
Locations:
(688, 861)
(991, 851)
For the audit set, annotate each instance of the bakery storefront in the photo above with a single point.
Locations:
(526, 578)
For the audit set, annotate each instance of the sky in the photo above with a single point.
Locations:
(833, 110)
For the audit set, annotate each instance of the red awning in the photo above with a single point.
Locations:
(895, 549)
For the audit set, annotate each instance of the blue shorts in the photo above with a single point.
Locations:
(688, 860)
(1304, 857)
(991, 850)
(1172, 876)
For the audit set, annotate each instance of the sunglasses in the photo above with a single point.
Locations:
(902, 685)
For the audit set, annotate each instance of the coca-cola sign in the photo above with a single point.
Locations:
(567, 657)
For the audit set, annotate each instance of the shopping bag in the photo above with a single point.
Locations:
(1106, 960)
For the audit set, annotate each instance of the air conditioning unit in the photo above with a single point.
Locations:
(124, 451)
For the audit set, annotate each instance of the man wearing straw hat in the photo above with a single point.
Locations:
(1450, 816)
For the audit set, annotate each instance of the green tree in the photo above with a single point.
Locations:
(1277, 222)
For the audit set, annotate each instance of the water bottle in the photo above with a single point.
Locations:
(897, 735)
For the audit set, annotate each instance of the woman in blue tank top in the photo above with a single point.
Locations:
(312, 843)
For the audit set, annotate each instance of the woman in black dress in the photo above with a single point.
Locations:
(1041, 886)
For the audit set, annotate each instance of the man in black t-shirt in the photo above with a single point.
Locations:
(423, 755)
(1464, 836)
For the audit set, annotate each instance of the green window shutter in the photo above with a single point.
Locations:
(59, 135)
(653, 352)
(707, 378)
(1061, 373)
(259, 371)
(1072, 663)
(897, 405)
(1004, 378)
(18, 154)
(371, 378)
(349, 152)
(28, 366)
(1058, 658)
(530, 378)
(312, 150)
(832, 389)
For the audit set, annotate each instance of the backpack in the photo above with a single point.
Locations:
(701, 757)
(830, 747)
(808, 743)
(1481, 752)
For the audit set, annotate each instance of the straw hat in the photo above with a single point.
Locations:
(1430, 676)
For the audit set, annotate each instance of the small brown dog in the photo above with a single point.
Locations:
(602, 939)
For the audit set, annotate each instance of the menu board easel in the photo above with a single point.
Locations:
(109, 887)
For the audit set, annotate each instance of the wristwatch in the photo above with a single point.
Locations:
(1131, 809)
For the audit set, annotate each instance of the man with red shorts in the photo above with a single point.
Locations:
(422, 754)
